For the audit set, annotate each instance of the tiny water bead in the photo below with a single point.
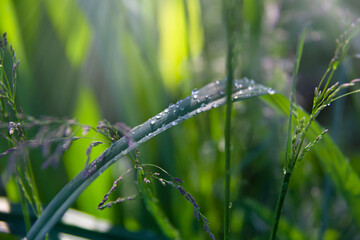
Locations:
(195, 93)
(271, 91)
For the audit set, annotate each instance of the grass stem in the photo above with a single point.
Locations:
(227, 134)
(280, 203)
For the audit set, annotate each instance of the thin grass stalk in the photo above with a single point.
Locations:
(23, 204)
(280, 203)
(227, 133)
(290, 160)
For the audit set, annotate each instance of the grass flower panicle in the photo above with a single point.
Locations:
(102, 204)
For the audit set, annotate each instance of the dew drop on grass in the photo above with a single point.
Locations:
(152, 123)
(195, 96)
(238, 85)
(230, 205)
(271, 91)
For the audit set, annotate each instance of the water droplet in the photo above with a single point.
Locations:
(195, 96)
(173, 123)
(217, 82)
(235, 97)
(152, 122)
(238, 85)
(166, 110)
(158, 116)
(230, 205)
(203, 105)
(198, 111)
(271, 91)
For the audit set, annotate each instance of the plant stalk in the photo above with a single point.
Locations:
(280, 203)
(227, 132)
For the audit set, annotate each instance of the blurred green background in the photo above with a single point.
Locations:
(125, 61)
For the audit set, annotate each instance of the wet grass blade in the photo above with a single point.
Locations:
(211, 96)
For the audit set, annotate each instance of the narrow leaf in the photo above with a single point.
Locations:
(208, 97)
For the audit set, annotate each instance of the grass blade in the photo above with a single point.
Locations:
(208, 97)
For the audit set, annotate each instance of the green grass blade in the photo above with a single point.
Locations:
(345, 179)
(286, 230)
(211, 96)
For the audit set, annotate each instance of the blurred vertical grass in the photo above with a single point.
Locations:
(127, 60)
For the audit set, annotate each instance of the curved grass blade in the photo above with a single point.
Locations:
(345, 179)
(211, 96)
